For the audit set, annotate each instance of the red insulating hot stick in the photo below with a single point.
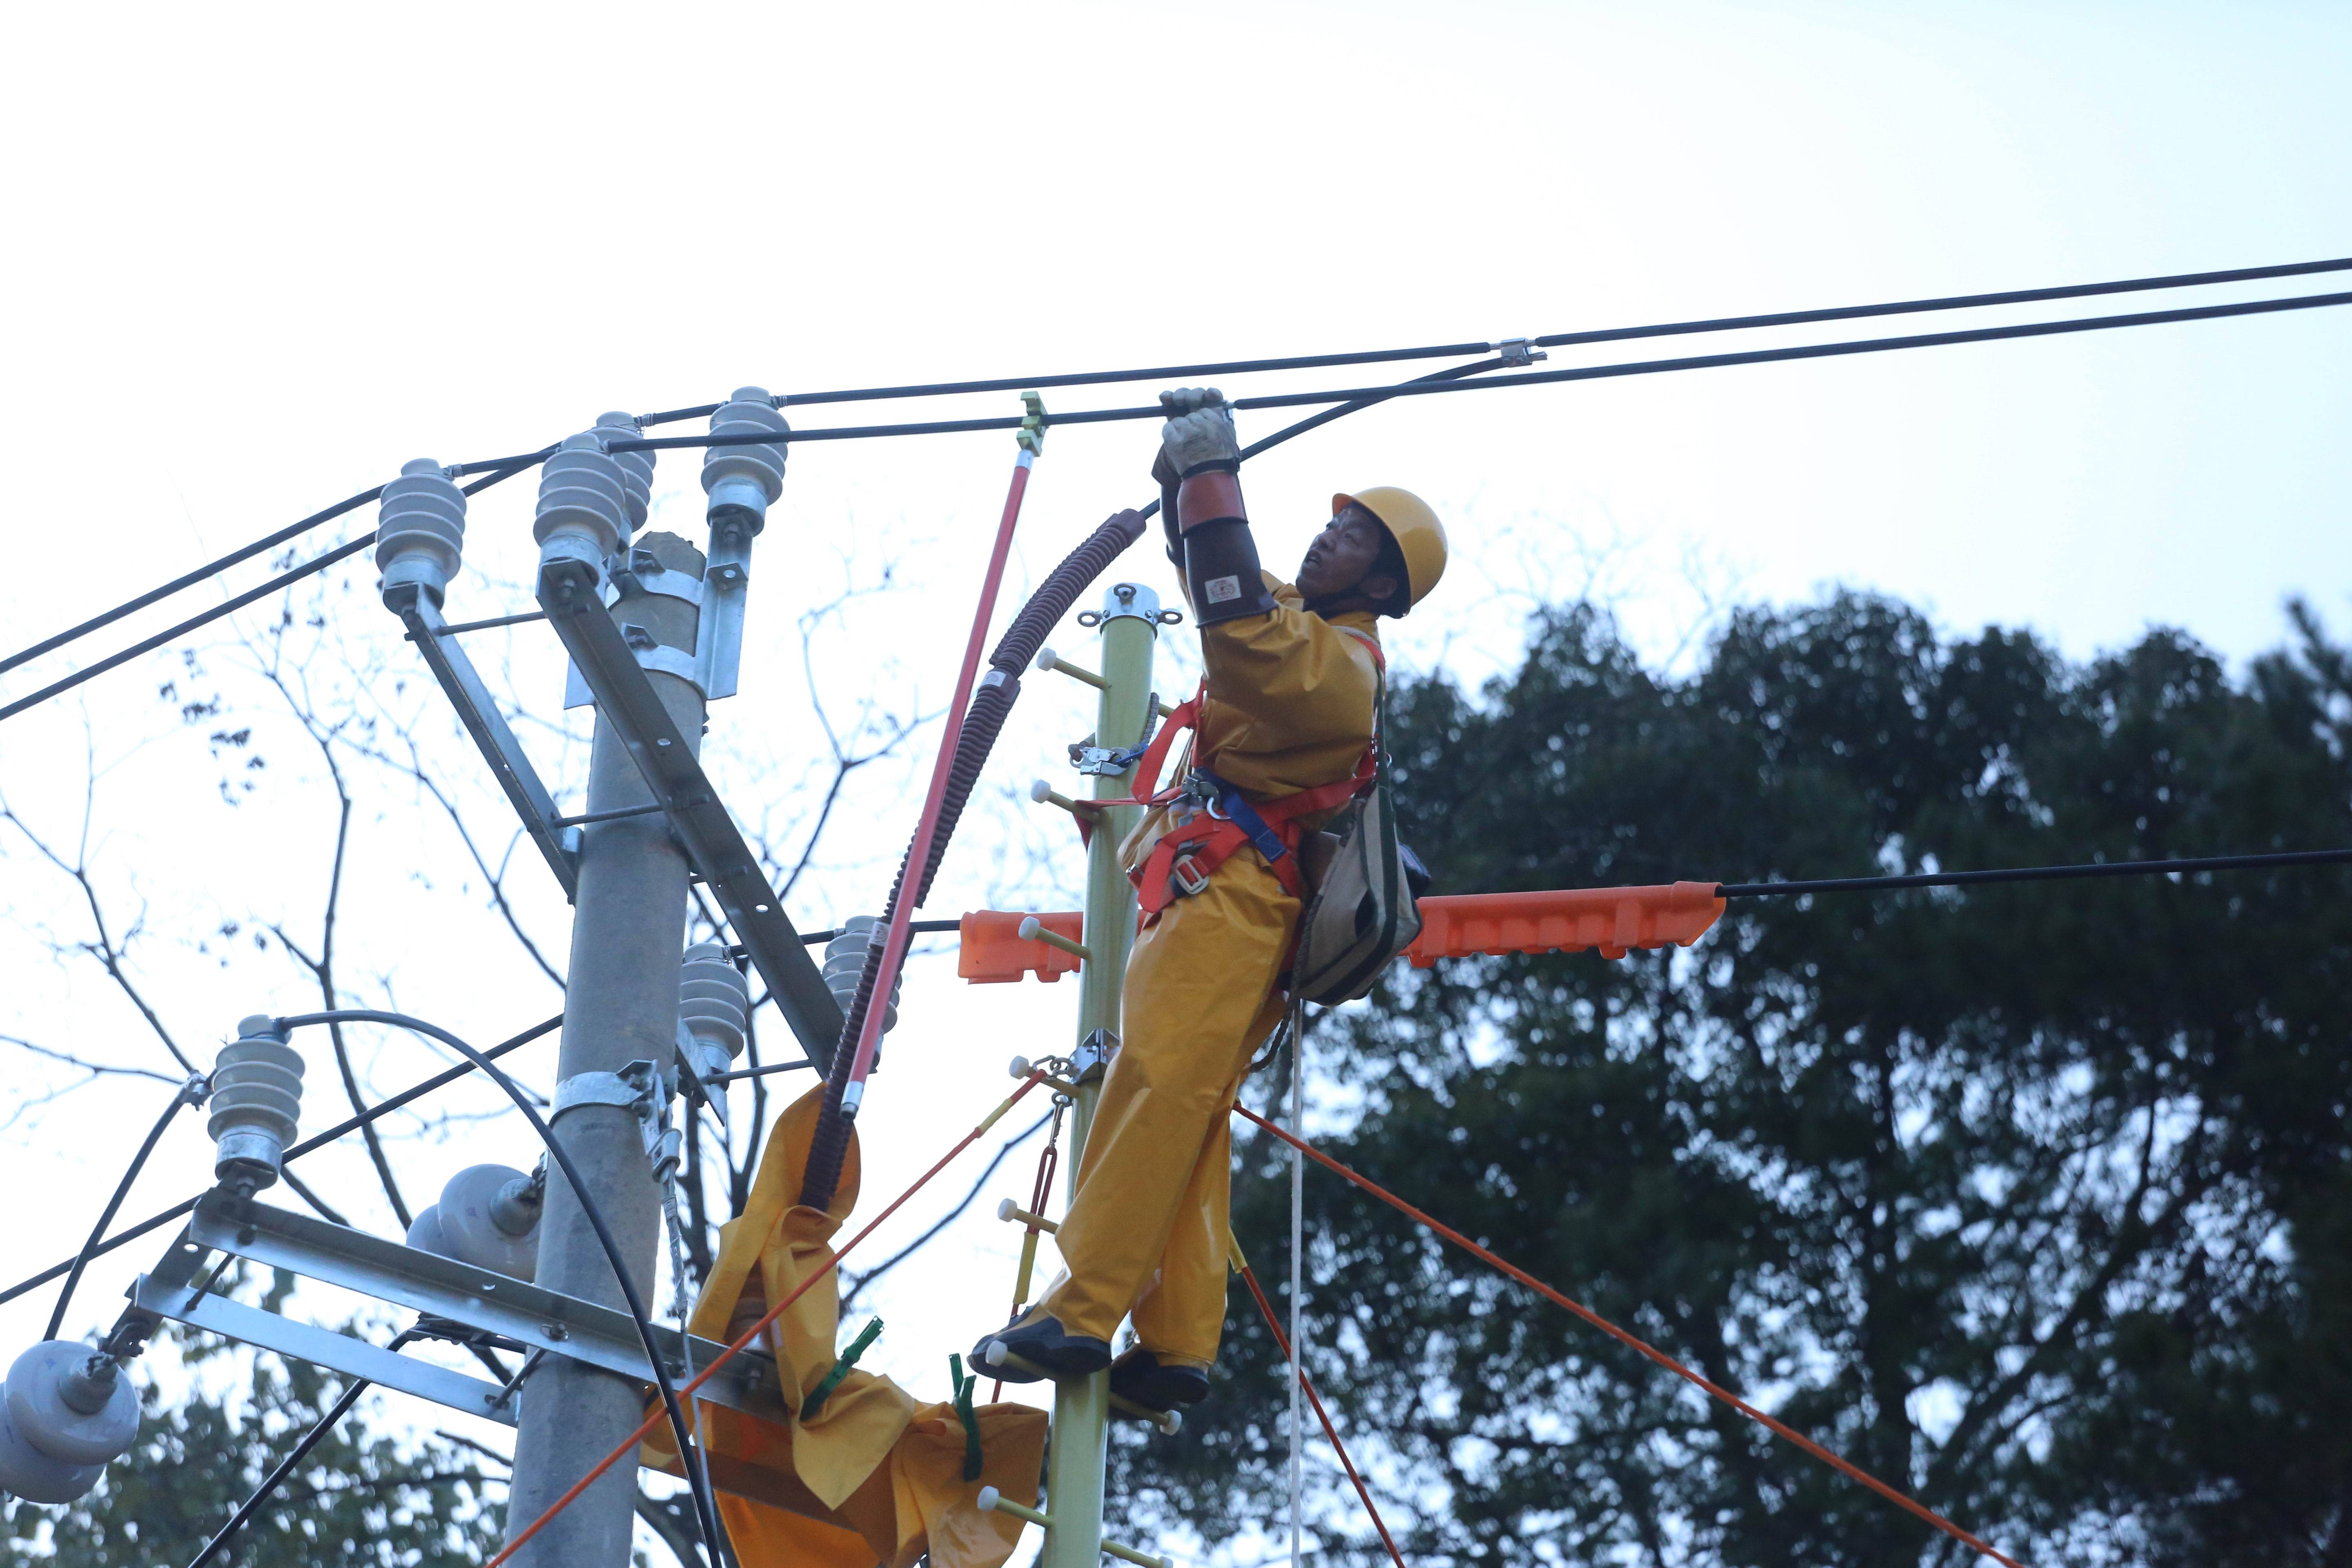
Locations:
(894, 942)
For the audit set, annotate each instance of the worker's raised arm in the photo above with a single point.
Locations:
(1219, 561)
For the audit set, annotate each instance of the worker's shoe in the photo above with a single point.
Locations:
(1040, 1339)
(1156, 1385)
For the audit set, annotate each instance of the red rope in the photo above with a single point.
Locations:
(1330, 1431)
(756, 1329)
(1659, 1356)
(894, 946)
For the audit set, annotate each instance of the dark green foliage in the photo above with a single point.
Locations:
(2032, 1201)
(360, 1498)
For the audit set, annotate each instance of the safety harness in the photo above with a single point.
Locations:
(1209, 819)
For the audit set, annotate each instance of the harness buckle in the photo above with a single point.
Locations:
(1185, 877)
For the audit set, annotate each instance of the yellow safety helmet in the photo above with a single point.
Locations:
(1414, 526)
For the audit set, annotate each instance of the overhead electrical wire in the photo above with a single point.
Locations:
(1555, 339)
(192, 1093)
(284, 579)
(690, 1455)
(308, 1145)
(1216, 368)
(2033, 874)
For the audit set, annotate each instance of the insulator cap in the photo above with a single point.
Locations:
(72, 1403)
(583, 501)
(637, 468)
(844, 960)
(714, 1002)
(257, 1100)
(745, 479)
(482, 1222)
(420, 530)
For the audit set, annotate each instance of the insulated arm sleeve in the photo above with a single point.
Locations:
(1221, 570)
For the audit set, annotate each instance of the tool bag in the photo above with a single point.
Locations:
(1361, 912)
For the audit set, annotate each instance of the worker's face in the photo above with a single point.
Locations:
(1340, 560)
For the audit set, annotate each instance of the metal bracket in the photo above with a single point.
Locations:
(645, 573)
(480, 714)
(726, 585)
(517, 1310)
(1104, 761)
(1518, 352)
(567, 591)
(689, 1079)
(1093, 1056)
(601, 1089)
(1125, 601)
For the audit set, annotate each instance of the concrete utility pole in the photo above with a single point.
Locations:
(1130, 631)
(620, 1005)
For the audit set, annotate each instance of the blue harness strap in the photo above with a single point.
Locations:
(1243, 816)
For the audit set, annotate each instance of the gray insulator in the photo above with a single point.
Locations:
(257, 1099)
(488, 1215)
(425, 1231)
(637, 468)
(714, 1002)
(73, 1404)
(744, 480)
(420, 530)
(583, 502)
(30, 1473)
(844, 960)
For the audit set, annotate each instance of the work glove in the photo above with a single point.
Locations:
(1199, 436)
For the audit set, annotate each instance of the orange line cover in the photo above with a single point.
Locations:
(1615, 920)
(992, 953)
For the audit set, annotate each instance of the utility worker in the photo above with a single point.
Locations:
(1282, 736)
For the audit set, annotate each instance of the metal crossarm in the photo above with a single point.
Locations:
(568, 590)
(438, 1286)
(480, 714)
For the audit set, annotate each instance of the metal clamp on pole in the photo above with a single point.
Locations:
(625, 1089)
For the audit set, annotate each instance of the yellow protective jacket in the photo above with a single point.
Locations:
(1288, 705)
(878, 1477)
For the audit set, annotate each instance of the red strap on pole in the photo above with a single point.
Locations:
(894, 946)
(1842, 1466)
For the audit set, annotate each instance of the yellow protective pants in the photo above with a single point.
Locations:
(1147, 1231)
(876, 1477)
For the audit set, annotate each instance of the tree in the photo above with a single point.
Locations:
(2028, 1199)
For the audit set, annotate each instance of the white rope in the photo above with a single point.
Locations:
(1297, 1271)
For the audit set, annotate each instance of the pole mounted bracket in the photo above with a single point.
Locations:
(568, 592)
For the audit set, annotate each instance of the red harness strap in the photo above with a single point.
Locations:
(1220, 821)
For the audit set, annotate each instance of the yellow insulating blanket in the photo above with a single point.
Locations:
(876, 1477)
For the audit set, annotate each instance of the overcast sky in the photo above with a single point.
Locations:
(257, 259)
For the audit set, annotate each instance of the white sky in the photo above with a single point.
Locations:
(260, 257)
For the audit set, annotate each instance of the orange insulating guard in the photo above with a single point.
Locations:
(992, 953)
(1615, 920)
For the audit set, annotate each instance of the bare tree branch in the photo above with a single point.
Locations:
(95, 1070)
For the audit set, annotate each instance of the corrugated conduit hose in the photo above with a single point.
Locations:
(990, 706)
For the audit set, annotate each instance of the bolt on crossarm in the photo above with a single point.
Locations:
(1129, 620)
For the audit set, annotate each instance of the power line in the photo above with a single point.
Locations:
(1555, 339)
(189, 1093)
(1427, 386)
(2034, 873)
(228, 608)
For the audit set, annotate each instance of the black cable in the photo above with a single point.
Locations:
(191, 579)
(1555, 339)
(283, 580)
(1427, 386)
(308, 1145)
(2034, 873)
(689, 1457)
(188, 1093)
(272, 1481)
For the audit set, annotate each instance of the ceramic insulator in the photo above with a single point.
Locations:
(420, 530)
(256, 1098)
(714, 1001)
(583, 502)
(844, 959)
(745, 479)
